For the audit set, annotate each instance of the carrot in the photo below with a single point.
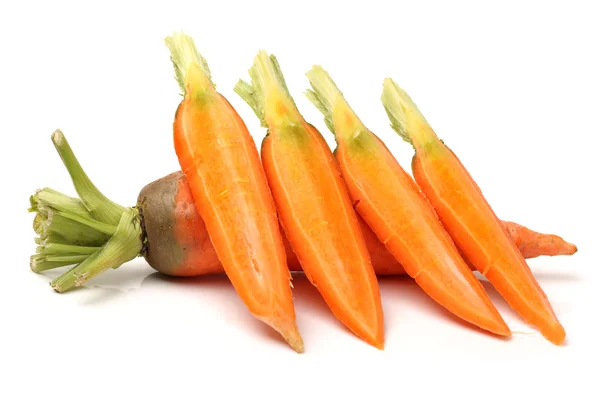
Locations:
(171, 223)
(468, 217)
(391, 204)
(313, 205)
(177, 242)
(533, 244)
(169, 233)
(165, 228)
(222, 166)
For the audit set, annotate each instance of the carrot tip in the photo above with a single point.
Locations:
(503, 330)
(375, 339)
(570, 249)
(379, 346)
(495, 326)
(555, 334)
(293, 338)
(288, 330)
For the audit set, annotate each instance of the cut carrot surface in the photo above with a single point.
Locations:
(397, 212)
(222, 166)
(178, 244)
(313, 205)
(468, 217)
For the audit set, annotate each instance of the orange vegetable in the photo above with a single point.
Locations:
(392, 205)
(221, 164)
(171, 223)
(313, 205)
(534, 244)
(468, 217)
(171, 236)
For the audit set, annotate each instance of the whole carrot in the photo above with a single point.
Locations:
(222, 166)
(467, 216)
(397, 212)
(313, 205)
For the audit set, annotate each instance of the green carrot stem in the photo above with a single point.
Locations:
(59, 213)
(103, 209)
(82, 232)
(71, 258)
(123, 246)
(63, 220)
(59, 229)
(39, 262)
(247, 92)
(191, 69)
(405, 117)
(268, 94)
(48, 197)
(59, 248)
(339, 117)
(98, 226)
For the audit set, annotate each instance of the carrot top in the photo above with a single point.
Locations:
(405, 116)
(191, 69)
(268, 94)
(339, 117)
(91, 232)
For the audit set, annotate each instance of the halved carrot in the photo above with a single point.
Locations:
(467, 216)
(392, 205)
(313, 205)
(222, 166)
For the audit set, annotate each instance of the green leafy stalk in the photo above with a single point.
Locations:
(60, 219)
(100, 207)
(41, 262)
(81, 232)
(123, 246)
(98, 226)
(59, 248)
(58, 201)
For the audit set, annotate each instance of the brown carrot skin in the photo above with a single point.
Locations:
(468, 217)
(179, 245)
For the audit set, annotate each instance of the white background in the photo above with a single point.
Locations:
(512, 87)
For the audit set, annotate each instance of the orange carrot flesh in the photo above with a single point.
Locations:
(468, 217)
(230, 191)
(391, 204)
(178, 244)
(313, 205)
